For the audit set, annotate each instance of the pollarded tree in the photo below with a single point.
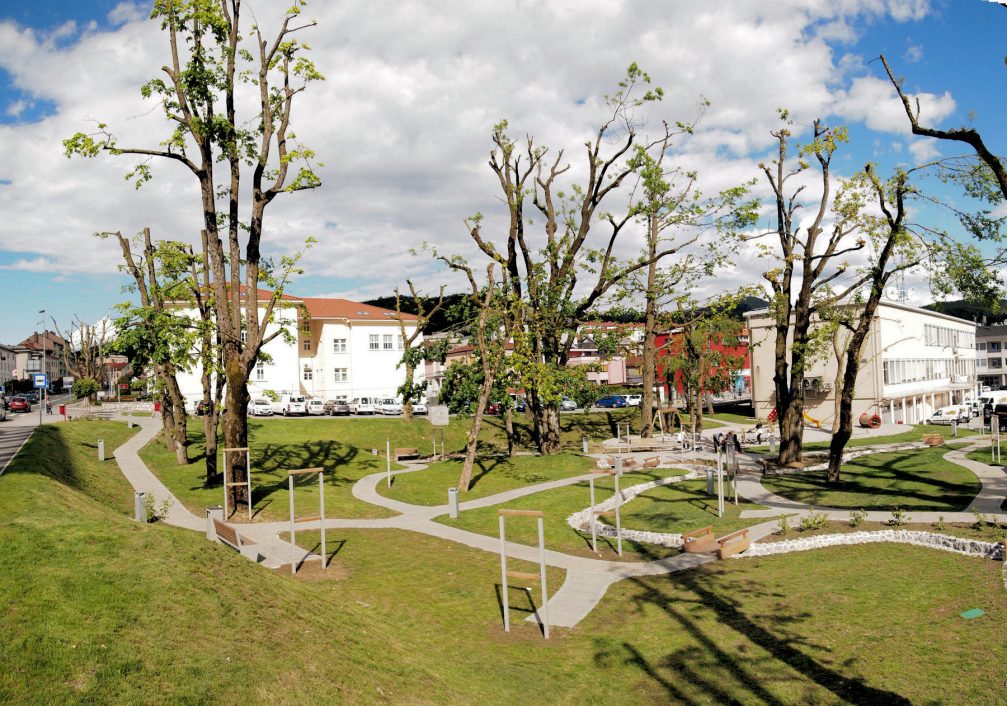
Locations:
(413, 355)
(201, 93)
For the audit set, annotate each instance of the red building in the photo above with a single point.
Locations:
(669, 344)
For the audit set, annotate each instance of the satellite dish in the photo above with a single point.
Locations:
(892, 293)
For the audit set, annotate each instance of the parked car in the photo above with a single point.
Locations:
(364, 405)
(290, 404)
(203, 408)
(419, 407)
(390, 406)
(19, 404)
(954, 413)
(316, 407)
(31, 396)
(634, 400)
(260, 407)
(337, 407)
(567, 405)
(611, 401)
(493, 408)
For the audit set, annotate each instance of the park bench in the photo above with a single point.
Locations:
(406, 452)
(699, 540)
(652, 462)
(229, 536)
(628, 464)
(734, 543)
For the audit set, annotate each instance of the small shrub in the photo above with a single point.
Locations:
(814, 521)
(899, 517)
(156, 511)
(784, 526)
(981, 521)
(857, 518)
(939, 525)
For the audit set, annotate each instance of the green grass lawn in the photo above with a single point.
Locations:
(558, 504)
(736, 418)
(911, 480)
(685, 506)
(489, 476)
(984, 455)
(100, 609)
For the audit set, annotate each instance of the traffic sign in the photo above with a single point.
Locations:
(40, 380)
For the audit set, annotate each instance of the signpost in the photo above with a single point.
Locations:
(439, 419)
(40, 382)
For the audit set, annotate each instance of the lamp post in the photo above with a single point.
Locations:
(45, 391)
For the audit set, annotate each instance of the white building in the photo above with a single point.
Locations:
(7, 363)
(914, 361)
(337, 350)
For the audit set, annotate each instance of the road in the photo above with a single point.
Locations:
(14, 432)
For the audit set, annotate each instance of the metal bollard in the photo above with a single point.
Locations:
(213, 512)
(101, 449)
(140, 506)
(618, 464)
(709, 482)
(453, 503)
(584, 444)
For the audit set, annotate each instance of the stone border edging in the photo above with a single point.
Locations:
(958, 545)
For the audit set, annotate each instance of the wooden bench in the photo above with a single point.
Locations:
(406, 452)
(699, 540)
(652, 462)
(734, 543)
(229, 536)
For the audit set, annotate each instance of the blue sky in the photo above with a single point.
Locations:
(412, 90)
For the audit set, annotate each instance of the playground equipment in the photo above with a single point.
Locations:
(505, 574)
(817, 423)
(228, 484)
(321, 517)
(870, 421)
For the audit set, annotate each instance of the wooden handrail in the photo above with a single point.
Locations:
(305, 471)
(520, 513)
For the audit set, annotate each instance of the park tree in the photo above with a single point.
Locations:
(563, 273)
(413, 355)
(239, 147)
(87, 346)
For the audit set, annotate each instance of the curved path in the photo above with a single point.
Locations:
(586, 581)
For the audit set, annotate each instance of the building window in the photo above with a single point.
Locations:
(400, 343)
(307, 345)
(306, 326)
(374, 342)
(982, 345)
(260, 371)
(341, 374)
(994, 346)
(995, 362)
(338, 345)
(387, 342)
(244, 336)
(308, 374)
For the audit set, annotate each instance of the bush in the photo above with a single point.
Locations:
(899, 517)
(939, 525)
(84, 387)
(784, 526)
(981, 521)
(857, 518)
(814, 521)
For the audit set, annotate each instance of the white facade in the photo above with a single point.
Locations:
(336, 350)
(914, 361)
(7, 363)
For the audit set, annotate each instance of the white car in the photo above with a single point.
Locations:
(390, 406)
(316, 407)
(290, 404)
(419, 407)
(633, 400)
(364, 405)
(946, 415)
(260, 407)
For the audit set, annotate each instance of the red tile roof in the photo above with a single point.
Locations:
(319, 308)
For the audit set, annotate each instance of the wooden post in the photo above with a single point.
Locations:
(594, 533)
(505, 604)
(321, 513)
(618, 517)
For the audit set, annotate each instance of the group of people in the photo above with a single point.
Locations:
(721, 441)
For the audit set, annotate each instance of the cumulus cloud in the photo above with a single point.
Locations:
(403, 121)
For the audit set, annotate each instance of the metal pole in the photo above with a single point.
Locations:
(503, 577)
(293, 530)
(225, 485)
(248, 480)
(720, 490)
(594, 534)
(321, 511)
(388, 460)
(618, 517)
(541, 568)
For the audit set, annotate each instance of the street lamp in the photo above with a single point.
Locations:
(45, 392)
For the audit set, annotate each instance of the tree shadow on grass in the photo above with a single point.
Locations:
(716, 591)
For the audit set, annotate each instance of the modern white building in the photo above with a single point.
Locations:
(914, 361)
(336, 349)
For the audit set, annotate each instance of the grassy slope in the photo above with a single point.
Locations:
(98, 609)
(912, 480)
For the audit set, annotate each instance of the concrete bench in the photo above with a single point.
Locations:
(406, 452)
(734, 543)
(699, 540)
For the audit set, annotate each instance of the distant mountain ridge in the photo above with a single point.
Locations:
(971, 311)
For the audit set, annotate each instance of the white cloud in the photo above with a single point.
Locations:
(404, 119)
(924, 149)
(914, 54)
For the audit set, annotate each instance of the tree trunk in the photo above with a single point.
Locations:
(551, 443)
(178, 415)
(649, 372)
(545, 424)
(472, 441)
(845, 431)
(790, 390)
(407, 402)
(210, 434)
(235, 423)
(509, 426)
(168, 423)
